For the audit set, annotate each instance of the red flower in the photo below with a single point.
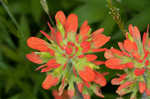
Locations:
(84, 74)
(115, 63)
(34, 58)
(49, 81)
(117, 81)
(133, 59)
(68, 55)
(142, 87)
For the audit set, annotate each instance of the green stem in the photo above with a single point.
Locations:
(78, 95)
(144, 96)
(21, 34)
(12, 17)
(9, 13)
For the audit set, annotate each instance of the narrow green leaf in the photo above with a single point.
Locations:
(108, 24)
(45, 6)
(24, 27)
(36, 9)
(9, 53)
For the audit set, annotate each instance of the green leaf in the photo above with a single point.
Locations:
(91, 10)
(36, 9)
(141, 20)
(7, 25)
(9, 53)
(108, 24)
(138, 5)
(16, 96)
(24, 27)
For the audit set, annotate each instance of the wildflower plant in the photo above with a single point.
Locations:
(67, 57)
(134, 59)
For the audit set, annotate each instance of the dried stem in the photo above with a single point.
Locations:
(116, 16)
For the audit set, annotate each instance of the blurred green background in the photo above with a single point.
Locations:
(18, 80)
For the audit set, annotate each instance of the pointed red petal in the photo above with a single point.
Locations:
(49, 81)
(99, 93)
(74, 72)
(80, 86)
(130, 28)
(46, 35)
(121, 46)
(52, 30)
(56, 95)
(108, 54)
(59, 38)
(117, 52)
(34, 58)
(84, 74)
(137, 34)
(99, 31)
(130, 65)
(91, 57)
(37, 43)
(142, 87)
(71, 93)
(134, 31)
(52, 63)
(130, 46)
(99, 50)
(148, 92)
(139, 72)
(69, 50)
(114, 63)
(86, 96)
(98, 62)
(40, 67)
(126, 84)
(86, 84)
(99, 40)
(46, 69)
(100, 79)
(84, 29)
(115, 81)
(61, 17)
(62, 86)
(145, 38)
(85, 24)
(85, 46)
(72, 23)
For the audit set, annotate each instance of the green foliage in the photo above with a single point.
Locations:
(20, 19)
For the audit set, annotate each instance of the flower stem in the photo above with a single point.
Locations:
(78, 95)
(116, 16)
(9, 13)
(144, 96)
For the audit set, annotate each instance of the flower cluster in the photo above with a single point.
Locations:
(134, 59)
(67, 56)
